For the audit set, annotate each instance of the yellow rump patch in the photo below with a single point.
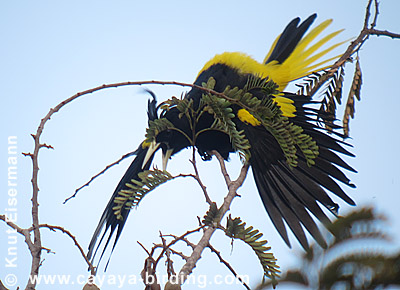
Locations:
(307, 57)
(239, 61)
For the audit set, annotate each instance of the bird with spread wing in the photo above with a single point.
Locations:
(294, 159)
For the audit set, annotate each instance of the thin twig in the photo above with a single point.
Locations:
(355, 45)
(197, 177)
(36, 247)
(169, 262)
(382, 33)
(367, 14)
(183, 239)
(68, 233)
(49, 251)
(222, 166)
(100, 173)
(228, 266)
(148, 253)
(26, 234)
(180, 254)
(175, 240)
(374, 22)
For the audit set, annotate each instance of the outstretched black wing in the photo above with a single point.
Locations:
(290, 193)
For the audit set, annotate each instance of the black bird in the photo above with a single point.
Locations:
(289, 191)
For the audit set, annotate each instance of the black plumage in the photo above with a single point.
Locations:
(290, 194)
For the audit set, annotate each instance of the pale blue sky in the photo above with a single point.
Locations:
(51, 50)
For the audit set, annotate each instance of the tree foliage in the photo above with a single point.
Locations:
(354, 259)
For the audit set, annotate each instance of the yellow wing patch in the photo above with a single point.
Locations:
(285, 104)
(247, 118)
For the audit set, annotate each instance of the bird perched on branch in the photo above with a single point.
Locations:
(240, 105)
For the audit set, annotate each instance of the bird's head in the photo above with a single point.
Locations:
(169, 140)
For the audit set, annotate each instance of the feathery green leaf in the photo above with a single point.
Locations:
(149, 180)
(236, 229)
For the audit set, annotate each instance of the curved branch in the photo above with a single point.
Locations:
(18, 229)
(68, 233)
(36, 247)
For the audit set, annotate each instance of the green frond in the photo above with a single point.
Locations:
(212, 215)
(356, 257)
(170, 103)
(156, 126)
(236, 229)
(183, 105)
(305, 143)
(266, 85)
(289, 136)
(210, 84)
(223, 114)
(149, 180)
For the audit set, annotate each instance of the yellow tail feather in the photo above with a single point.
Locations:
(302, 60)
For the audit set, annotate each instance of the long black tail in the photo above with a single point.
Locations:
(108, 220)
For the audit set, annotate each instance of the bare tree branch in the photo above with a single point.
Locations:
(197, 177)
(175, 240)
(13, 225)
(208, 232)
(382, 33)
(24, 232)
(98, 174)
(35, 245)
(228, 266)
(68, 233)
(355, 45)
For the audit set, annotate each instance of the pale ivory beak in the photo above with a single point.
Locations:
(150, 151)
(165, 158)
